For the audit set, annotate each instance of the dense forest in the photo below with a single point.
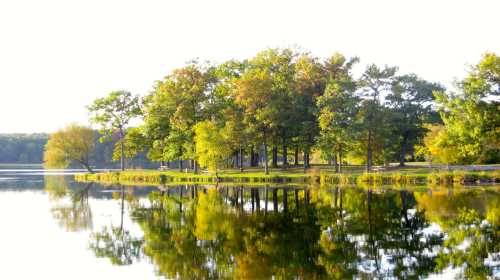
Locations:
(290, 104)
(22, 148)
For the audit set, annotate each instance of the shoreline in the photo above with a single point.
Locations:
(420, 177)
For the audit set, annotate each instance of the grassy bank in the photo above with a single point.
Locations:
(297, 176)
(415, 178)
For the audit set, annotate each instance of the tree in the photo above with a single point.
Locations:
(182, 99)
(253, 95)
(410, 104)
(158, 108)
(134, 142)
(226, 112)
(439, 146)
(374, 84)
(113, 113)
(212, 147)
(308, 85)
(71, 144)
(338, 107)
(265, 91)
(472, 116)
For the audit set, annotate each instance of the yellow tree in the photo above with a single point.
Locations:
(211, 145)
(71, 144)
(439, 146)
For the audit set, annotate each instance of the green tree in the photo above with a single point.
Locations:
(253, 95)
(375, 83)
(410, 104)
(158, 108)
(308, 84)
(72, 144)
(134, 142)
(226, 111)
(113, 113)
(265, 91)
(471, 116)
(338, 109)
(185, 97)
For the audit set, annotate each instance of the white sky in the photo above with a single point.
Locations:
(57, 56)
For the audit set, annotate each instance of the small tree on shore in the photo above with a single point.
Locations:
(113, 113)
(71, 144)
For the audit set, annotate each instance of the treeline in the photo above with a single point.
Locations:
(282, 105)
(22, 148)
(29, 149)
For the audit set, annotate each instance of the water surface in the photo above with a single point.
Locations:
(55, 228)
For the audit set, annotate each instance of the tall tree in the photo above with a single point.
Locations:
(226, 111)
(338, 109)
(375, 84)
(410, 102)
(113, 113)
(309, 84)
(159, 106)
(73, 143)
(189, 89)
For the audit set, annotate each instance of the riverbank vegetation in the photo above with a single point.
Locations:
(284, 107)
(408, 177)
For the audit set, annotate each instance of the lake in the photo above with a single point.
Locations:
(55, 228)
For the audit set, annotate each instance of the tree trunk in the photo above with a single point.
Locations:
(274, 162)
(180, 165)
(297, 199)
(340, 159)
(241, 159)
(296, 156)
(266, 198)
(336, 164)
(403, 152)
(122, 150)
(242, 194)
(285, 200)
(122, 195)
(253, 158)
(285, 153)
(195, 166)
(369, 152)
(266, 164)
(87, 166)
(257, 199)
(252, 196)
(275, 200)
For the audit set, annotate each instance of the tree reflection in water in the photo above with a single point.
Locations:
(328, 232)
(71, 209)
(115, 242)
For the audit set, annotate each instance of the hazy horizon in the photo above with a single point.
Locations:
(57, 56)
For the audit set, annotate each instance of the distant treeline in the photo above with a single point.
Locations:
(22, 148)
(28, 148)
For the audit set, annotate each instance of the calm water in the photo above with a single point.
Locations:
(54, 228)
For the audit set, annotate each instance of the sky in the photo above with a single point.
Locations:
(57, 56)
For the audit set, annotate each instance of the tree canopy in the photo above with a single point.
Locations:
(113, 113)
(73, 143)
(288, 99)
